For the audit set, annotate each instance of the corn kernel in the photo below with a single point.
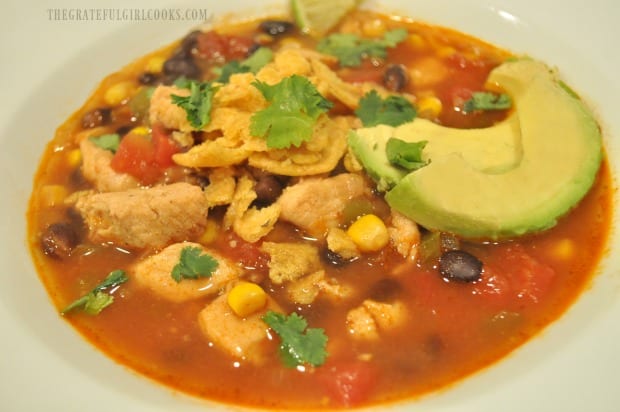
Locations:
(374, 28)
(563, 249)
(246, 298)
(417, 42)
(429, 106)
(445, 51)
(53, 195)
(369, 233)
(155, 64)
(117, 93)
(290, 43)
(210, 233)
(141, 130)
(74, 158)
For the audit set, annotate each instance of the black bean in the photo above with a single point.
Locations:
(252, 49)
(59, 239)
(395, 77)
(276, 27)
(334, 258)
(434, 345)
(385, 290)
(148, 79)
(97, 117)
(179, 65)
(268, 188)
(189, 42)
(124, 129)
(460, 265)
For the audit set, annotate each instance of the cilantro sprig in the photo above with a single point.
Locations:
(198, 104)
(295, 106)
(96, 300)
(407, 155)
(252, 64)
(193, 264)
(487, 101)
(393, 110)
(351, 49)
(107, 141)
(299, 344)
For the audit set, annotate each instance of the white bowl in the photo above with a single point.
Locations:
(49, 66)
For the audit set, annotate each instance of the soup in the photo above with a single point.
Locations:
(211, 217)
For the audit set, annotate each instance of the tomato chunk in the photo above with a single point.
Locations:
(216, 47)
(145, 157)
(513, 279)
(248, 254)
(349, 383)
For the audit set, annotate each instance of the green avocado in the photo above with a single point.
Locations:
(516, 177)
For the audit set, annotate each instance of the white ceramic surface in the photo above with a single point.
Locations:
(48, 68)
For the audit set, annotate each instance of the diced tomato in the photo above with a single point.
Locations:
(349, 383)
(513, 279)
(246, 253)
(216, 47)
(164, 147)
(145, 157)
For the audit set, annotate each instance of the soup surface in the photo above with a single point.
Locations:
(204, 220)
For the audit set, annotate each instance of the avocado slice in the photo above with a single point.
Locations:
(516, 177)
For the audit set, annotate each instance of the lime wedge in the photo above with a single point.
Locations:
(316, 17)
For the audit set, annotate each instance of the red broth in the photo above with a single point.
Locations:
(453, 329)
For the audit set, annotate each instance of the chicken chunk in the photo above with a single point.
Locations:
(316, 204)
(404, 235)
(155, 273)
(97, 169)
(243, 338)
(368, 320)
(139, 218)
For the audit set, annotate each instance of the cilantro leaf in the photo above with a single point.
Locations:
(183, 82)
(295, 106)
(299, 344)
(198, 104)
(230, 68)
(193, 264)
(258, 59)
(107, 141)
(393, 111)
(407, 155)
(96, 300)
(252, 64)
(487, 101)
(350, 49)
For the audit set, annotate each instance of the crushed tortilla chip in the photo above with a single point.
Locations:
(250, 224)
(291, 261)
(338, 241)
(256, 223)
(221, 186)
(331, 138)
